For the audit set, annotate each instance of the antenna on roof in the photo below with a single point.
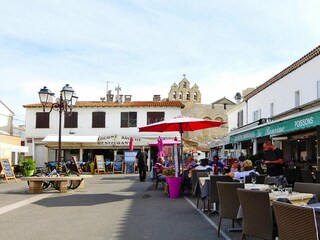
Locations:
(107, 87)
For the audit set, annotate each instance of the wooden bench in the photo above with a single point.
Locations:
(35, 183)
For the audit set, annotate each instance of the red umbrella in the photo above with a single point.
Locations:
(180, 124)
(131, 144)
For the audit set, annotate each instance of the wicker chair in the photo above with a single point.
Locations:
(257, 214)
(306, 176)
(194, 182)
(259, 179)
(295, 222)
(270, 180)
(229, 201)
(213, 191)
(317, 176)
(157, 179)
(200, 174)
(313, 188)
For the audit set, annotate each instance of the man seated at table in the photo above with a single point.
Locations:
(216, 165)
(204, 165)
(191, 164)
(247, 170)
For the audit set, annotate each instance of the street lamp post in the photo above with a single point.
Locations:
(64, 103)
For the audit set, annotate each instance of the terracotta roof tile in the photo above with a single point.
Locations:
(306, 58)
(87, 104)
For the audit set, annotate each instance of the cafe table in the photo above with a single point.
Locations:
(296, 198)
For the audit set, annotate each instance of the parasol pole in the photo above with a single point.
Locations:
(181, 154)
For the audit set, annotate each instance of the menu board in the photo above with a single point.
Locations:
(129, 166)
(118, 164)
(99, 163)
(8, 173)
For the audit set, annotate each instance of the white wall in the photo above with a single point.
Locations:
(282, 93)
(113, 117)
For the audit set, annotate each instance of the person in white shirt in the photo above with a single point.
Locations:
(247, 170)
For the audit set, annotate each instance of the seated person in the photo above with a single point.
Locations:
(158, 166)
(204, 165)
(216, 164)
(247, 170)
(191, 164)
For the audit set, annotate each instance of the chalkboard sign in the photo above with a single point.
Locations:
(118, 164)
(8, 173)
(99, 160)
(129, 167)
(130, 156)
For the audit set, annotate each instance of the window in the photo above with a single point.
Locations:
(174, 95)
(180, 95)
(153, 117)
(318, 89)
(188, 96)
(184, 85)
(271, 109)
(240, 118)
(98, 120)
(71, 121)
(195, 97)
(256, 115)
(297, 98)
(42, 120)
(128, 119)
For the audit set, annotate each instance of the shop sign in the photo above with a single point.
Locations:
(294, 124)
(118, 140)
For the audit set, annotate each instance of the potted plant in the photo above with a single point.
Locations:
(173, 182)
(28, 166)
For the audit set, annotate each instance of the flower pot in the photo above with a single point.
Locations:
(174, 186)
(29, 173)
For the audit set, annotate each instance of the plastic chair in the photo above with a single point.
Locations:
(213, 197)
(295, 222)
(257, 214)
(229, 201)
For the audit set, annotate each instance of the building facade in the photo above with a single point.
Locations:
(285, 109)
(95, 128)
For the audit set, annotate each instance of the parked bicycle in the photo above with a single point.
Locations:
(51, 170)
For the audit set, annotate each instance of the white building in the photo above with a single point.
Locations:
(10, 145)
(284, 109)
(95, 128)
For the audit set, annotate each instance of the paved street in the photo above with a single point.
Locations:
(108, 207)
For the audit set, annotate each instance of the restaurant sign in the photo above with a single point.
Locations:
(120, 141)
(294, 124)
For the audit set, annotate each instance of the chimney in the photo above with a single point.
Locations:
(127, 98)
(156, 98)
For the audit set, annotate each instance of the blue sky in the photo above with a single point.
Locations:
(147, 45)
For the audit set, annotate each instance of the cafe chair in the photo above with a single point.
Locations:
(213, 197)
(313, 188)
(306, 176)
(317, 176)
(157, 179)
(270, 180)
(257, 214)
(295, 222)
(229, 202)
(292, 175)
(259, 179)
(194, 182)
(200, 174)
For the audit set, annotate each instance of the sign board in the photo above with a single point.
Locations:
(7, 170)
(75, 159)
(129, 161)
(118, 164)
(129, 167)
(99, 163)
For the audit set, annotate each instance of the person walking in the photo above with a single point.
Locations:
(273, 159)
(142, 157)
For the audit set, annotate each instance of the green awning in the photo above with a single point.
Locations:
(293, 124)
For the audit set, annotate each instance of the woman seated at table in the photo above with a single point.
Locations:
(247, 170)
(158, 166)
